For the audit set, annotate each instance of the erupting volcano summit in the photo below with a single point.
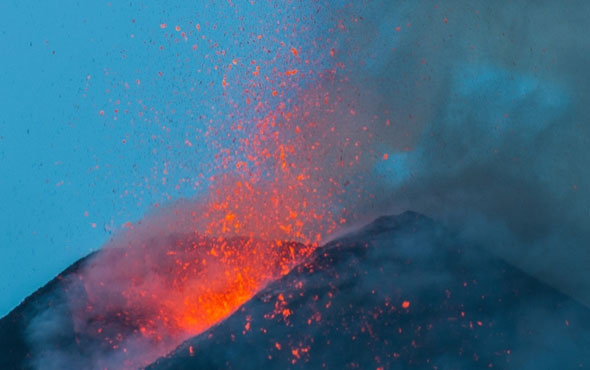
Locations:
(282, 184)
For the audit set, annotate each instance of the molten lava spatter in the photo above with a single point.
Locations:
(280, 189)
(287, 167)
(152, 295)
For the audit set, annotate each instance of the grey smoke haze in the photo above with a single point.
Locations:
(490, 123)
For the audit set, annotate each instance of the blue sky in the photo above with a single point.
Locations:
(98, 103)
(60, 158)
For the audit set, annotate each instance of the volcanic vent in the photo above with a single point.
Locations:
(121, 308)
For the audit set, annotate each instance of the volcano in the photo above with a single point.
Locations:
(401, 292)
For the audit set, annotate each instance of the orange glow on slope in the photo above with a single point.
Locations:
(190, 286)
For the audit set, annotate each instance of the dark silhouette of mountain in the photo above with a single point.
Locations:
(121, 306)
(402, 292)
(16, 350)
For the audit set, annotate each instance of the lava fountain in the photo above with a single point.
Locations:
(182, 270)
(284, 177)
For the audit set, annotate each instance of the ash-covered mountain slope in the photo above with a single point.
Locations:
(400, 293)
(16, 351)
(123, 307)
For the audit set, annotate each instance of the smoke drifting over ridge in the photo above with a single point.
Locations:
(491, 134)
(472, 113)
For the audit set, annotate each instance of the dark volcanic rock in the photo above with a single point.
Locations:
(400, 293)
(16, 350)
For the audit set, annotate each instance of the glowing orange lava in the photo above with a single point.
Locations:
(278, 190)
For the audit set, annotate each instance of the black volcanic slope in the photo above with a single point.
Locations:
(15, 349)
(400, 293)
(345, 310)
